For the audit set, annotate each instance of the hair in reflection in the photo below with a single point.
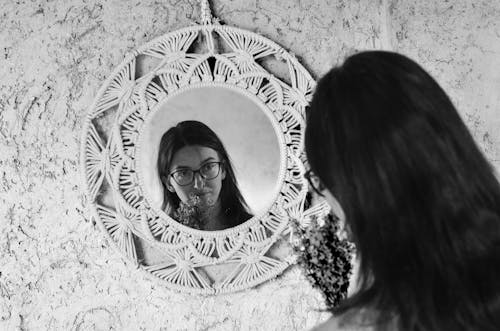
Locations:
(420, 199)
(189, 133)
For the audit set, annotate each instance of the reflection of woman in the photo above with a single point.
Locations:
(394, 159)
(199, 184)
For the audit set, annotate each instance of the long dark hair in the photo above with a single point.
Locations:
(188, 133)
(421, 200)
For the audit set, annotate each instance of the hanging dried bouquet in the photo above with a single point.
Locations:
(325, 258)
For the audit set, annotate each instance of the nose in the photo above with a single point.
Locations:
(199, 181)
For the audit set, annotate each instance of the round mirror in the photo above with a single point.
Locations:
(191, 119)
(217, 165)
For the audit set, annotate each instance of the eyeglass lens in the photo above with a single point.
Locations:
(315, 182)
(186, 176)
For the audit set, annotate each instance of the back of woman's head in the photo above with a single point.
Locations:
(421, 201)
(190, 133)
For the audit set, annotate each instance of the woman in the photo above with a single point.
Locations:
(421, 203)
(199, 184)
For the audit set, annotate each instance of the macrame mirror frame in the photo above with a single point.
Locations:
(111, 140)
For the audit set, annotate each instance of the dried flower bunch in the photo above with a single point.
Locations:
(325, 258)
(190, 213)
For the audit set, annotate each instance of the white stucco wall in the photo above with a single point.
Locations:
(57, 270)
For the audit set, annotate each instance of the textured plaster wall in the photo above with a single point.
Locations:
(57, 271)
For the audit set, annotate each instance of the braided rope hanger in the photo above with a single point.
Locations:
(206, 14)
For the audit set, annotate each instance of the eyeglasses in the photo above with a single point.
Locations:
(208, 171)
(315, 182)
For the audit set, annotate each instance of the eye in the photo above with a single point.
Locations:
(181, 173)
(209, 166)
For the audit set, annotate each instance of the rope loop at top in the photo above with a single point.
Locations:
(206, 14)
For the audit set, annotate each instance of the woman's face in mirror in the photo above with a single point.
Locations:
(191, 173)
(249, 147)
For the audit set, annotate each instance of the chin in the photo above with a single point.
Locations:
(208, 200)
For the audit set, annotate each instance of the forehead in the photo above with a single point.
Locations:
(193, 156)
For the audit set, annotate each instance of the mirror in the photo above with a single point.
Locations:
(217, 80)
(202, 126)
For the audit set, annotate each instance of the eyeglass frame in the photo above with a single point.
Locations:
(220, 163)
(308, 175)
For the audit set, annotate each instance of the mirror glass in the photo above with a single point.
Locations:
(210, 158)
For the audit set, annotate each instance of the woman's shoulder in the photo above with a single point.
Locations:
(338, 324)
(363, 320)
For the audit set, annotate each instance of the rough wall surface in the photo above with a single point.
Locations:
(57, 270)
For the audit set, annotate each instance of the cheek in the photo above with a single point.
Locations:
(336, 207)
(216, 184)
(182, 193)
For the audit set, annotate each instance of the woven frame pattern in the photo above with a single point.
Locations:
(112, 139)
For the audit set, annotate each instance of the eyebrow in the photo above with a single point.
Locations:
(211, 158)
